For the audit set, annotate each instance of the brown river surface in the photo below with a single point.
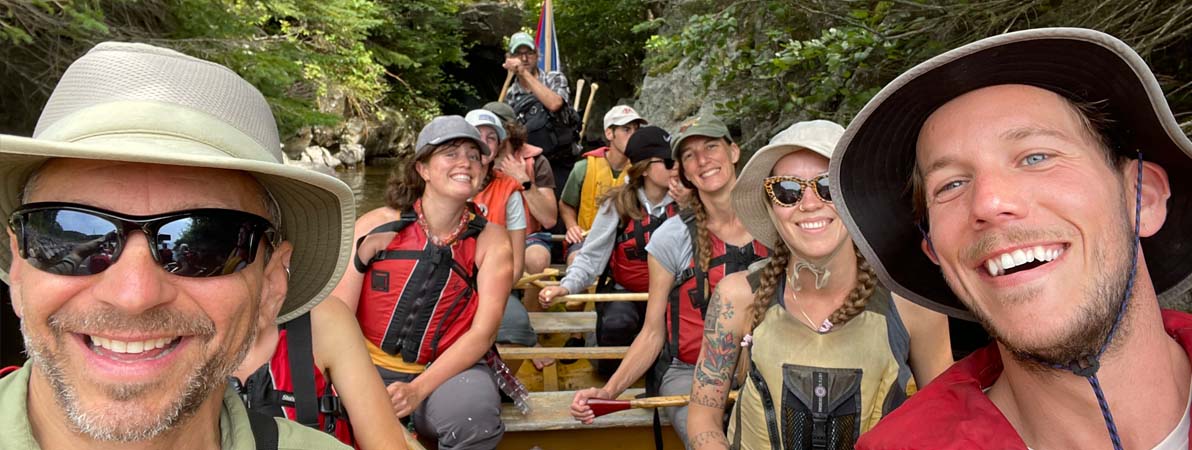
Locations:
(368, 183)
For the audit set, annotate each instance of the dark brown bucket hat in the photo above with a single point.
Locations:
(871, 169)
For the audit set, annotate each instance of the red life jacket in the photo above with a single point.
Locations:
(418, 298)
(627, 265)
(289, 385)
(688, 303)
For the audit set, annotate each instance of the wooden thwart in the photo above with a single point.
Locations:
(615, 297)
(563, 322)
(564, 352)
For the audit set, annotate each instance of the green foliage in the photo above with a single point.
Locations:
(297, 52)
(787, 61)
(600, 39)
(294, 51)
(417, 39)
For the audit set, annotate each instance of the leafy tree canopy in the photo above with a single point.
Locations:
(294, 51)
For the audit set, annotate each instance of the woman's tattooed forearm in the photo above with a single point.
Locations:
(720, 351)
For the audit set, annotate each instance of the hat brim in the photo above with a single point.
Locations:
(749, 194)
(874, 160)
(317, 210)
(423, 151)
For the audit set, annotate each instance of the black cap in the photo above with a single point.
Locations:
(648, 142)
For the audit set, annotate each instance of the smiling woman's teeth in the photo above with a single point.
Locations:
(813, 225)
(998, 265)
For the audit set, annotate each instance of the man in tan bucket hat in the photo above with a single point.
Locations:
(1037, 182)
(152, 228)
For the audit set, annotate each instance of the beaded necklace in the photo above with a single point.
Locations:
(463, 224)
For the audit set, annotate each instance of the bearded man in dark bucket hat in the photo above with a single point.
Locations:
(1036, 182)
(152, 229)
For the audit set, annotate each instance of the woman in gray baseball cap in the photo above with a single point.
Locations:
(820, 336)
(428, 286)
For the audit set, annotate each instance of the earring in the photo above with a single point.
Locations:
(287, 271)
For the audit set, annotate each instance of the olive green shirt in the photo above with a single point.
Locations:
(234, 430)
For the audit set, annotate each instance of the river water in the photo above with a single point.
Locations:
(368, 184)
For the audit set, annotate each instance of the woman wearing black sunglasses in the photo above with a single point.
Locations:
(615, 245)
(827, 351)
(429, 285)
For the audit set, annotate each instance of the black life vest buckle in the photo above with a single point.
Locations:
(330, 405)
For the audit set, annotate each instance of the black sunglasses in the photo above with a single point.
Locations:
(76, 240)
(668, 163)
(787, 190)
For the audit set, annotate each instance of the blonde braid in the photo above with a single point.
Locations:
(702, 241)
(855, 303)
(703, 246)
(767, 285)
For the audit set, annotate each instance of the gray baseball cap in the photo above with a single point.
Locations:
(444, 129)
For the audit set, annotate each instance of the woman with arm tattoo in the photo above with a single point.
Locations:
(688, 256)
(820, 350)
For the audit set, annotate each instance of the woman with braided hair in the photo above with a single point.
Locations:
(820, 350)
(687, 256)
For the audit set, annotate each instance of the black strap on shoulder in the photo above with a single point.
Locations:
(396, 226)
(302, 363)
(264, 430)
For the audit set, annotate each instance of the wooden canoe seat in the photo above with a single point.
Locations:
(564, 352)
(563, 322)
(551, 411)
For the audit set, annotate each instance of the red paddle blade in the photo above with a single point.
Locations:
(601, 407)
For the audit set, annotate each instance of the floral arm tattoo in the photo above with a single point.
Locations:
(718, 356)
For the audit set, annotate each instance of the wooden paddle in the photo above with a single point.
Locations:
(505, 88)
(602, 407)
(588, 108)
(579, 91)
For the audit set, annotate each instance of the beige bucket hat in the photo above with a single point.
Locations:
(872, 166)
(139, 103)
(749, 195)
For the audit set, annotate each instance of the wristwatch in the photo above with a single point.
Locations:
(526, 185)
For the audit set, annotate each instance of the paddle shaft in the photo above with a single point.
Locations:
(601, 407)
(588, 108)
(505, 88)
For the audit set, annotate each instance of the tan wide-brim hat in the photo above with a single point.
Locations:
(749, 194)
(144, 104)
(871, 170)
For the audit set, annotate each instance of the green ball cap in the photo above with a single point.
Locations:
(519, 39)
(707, 126)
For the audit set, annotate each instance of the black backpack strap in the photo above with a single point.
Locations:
(396, 226)
(264, 430)
(302, 363)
